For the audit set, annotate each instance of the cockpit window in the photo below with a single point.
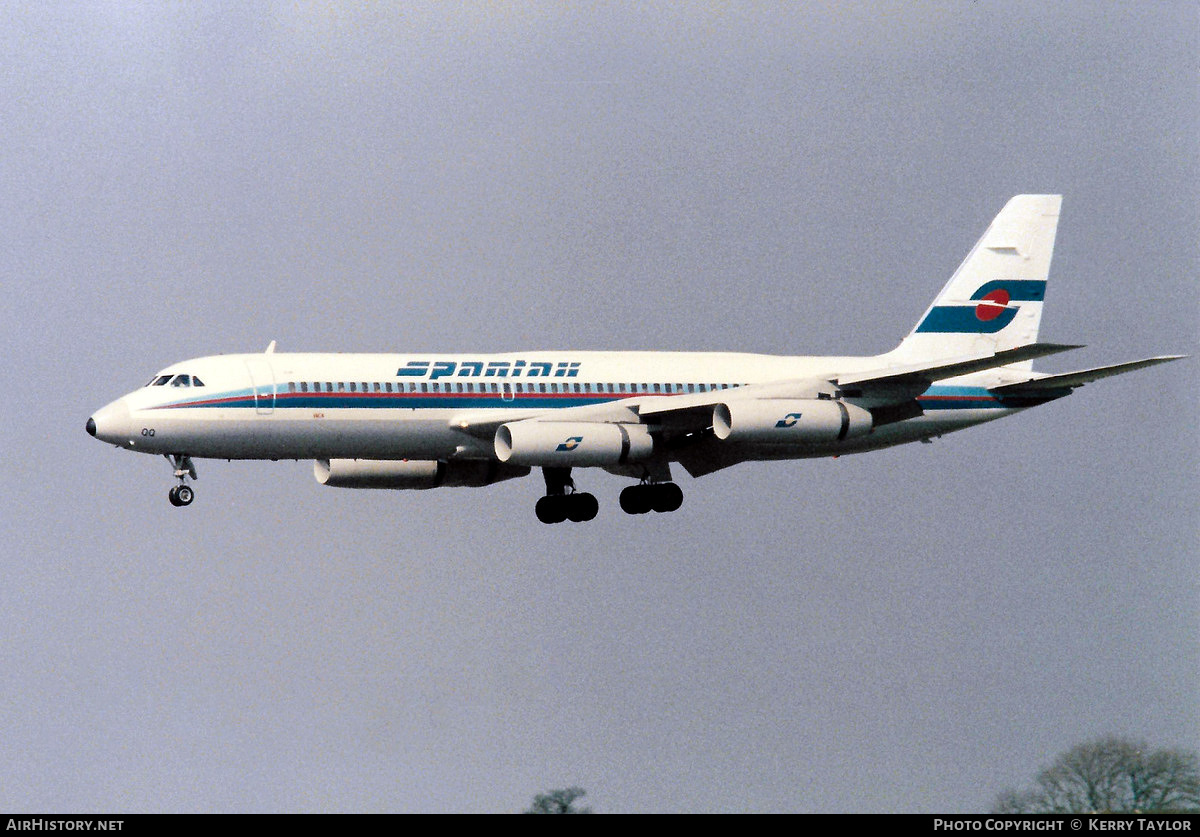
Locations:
(182, 381)
(159, 381)
(196, 382)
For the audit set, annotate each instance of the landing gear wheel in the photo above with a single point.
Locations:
(635, 499)
(562, 501)
(552, 508)
(667, 497)
(657, 496)
(581, 507)
(181, 495)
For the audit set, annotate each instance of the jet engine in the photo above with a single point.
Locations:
(567, 444)
(789, 422)
(412, 473)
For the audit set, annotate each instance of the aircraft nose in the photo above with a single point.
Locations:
(111, 424)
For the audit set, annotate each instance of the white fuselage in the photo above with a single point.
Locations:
(391, 406)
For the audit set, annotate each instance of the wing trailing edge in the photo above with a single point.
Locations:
(915, 378)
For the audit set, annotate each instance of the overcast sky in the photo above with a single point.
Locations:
(908, 630)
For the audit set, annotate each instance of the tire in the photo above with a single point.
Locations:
(551, 509)
(667, 497)
(582, 507)
(635, 500)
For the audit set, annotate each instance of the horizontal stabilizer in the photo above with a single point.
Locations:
(1078, 379)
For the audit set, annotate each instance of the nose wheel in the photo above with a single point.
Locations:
(182, 494)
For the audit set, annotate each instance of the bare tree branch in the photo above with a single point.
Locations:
(1111, 775)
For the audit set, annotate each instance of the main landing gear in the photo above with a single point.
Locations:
(182, 494)
(651, 496)
(563, 501)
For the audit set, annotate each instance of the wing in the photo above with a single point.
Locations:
(683, 423)
(895, 385)
(889, 393)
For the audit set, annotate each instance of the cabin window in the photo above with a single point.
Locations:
(291, 386)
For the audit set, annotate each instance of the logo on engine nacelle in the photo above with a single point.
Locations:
(569, 445)
(788, 421)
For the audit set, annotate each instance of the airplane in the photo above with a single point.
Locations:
(420, 421)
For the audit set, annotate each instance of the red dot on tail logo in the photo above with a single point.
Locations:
(992, 305)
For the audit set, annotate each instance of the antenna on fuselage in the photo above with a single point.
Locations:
(270, 348)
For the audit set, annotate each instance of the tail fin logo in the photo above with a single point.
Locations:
(990, 308)
(992, 305)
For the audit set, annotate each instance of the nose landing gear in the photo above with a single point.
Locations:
(182, 494)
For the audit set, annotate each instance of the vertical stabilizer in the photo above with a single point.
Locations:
(994, 300)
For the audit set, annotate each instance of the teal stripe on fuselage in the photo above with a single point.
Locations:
(958, 398)
(937, 397)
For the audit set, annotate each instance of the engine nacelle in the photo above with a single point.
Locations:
(789, 422)
(567, 444)
(412, 473)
